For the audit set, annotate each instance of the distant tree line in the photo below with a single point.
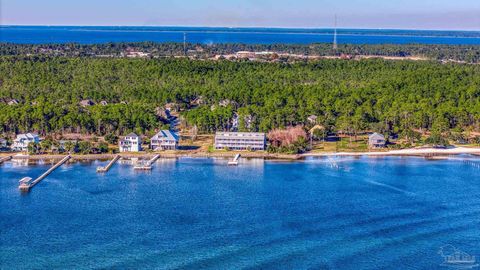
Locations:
(463, 53)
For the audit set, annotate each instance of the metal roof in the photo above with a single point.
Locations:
(376, 136)
(165, 134)
(240, 135)
(132, 135)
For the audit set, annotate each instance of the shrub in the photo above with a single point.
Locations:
(292, 140)
(436, 139)
(111, 138)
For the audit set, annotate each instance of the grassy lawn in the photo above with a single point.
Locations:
(343, 145)
(201, 143)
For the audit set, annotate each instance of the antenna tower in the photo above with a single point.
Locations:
(335, 45)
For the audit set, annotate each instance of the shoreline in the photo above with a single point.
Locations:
(425, 152)
(413, 152)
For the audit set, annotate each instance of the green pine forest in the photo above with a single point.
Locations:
(450, 53)
(349, 96)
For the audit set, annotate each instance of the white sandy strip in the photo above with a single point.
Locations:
(406, 152)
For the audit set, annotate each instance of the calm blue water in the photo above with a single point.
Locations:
(94, 35)
(369, 213)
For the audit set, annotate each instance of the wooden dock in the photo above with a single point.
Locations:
(5, 159)
(26, 183)
(110, 164)
(234, 162)
(146, 166)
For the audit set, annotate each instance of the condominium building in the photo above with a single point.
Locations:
(240, 140)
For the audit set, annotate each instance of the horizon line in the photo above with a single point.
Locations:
(243, 27)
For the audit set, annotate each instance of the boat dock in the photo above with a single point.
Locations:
(146, 166)
(26, 183)
(234, 161)
(110, 164)
(5, 159)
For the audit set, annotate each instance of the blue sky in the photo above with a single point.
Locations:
(404, 14)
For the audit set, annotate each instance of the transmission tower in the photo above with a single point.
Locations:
(335, 45)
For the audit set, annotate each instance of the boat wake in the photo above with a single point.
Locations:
(390, 187)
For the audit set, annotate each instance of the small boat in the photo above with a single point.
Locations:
(142, 166)
(436, 157)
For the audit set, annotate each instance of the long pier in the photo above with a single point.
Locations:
(110, 164)
(5, 159)
(26, 183)
(147, 165)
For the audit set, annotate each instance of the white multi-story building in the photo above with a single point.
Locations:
(240, 140)
(130, 143)
(23, 140)
(164, 140)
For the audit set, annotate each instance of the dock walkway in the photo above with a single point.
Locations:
(110, 164)
(234, 162)
(26, 184)
(7, 158)
(147, 165)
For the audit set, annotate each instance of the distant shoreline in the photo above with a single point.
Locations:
(227, 35)
(419, 152)
(283, 29)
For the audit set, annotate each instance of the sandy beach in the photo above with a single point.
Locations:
(408, 152)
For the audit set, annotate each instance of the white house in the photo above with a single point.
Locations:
(376, 140)
(164, 140)
(130, 143)
(23, 140)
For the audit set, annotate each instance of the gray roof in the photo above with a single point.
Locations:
(165, 134)
(376, 136)
(86, 102)
(132, 135)
(27, 136)
(249, 135)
